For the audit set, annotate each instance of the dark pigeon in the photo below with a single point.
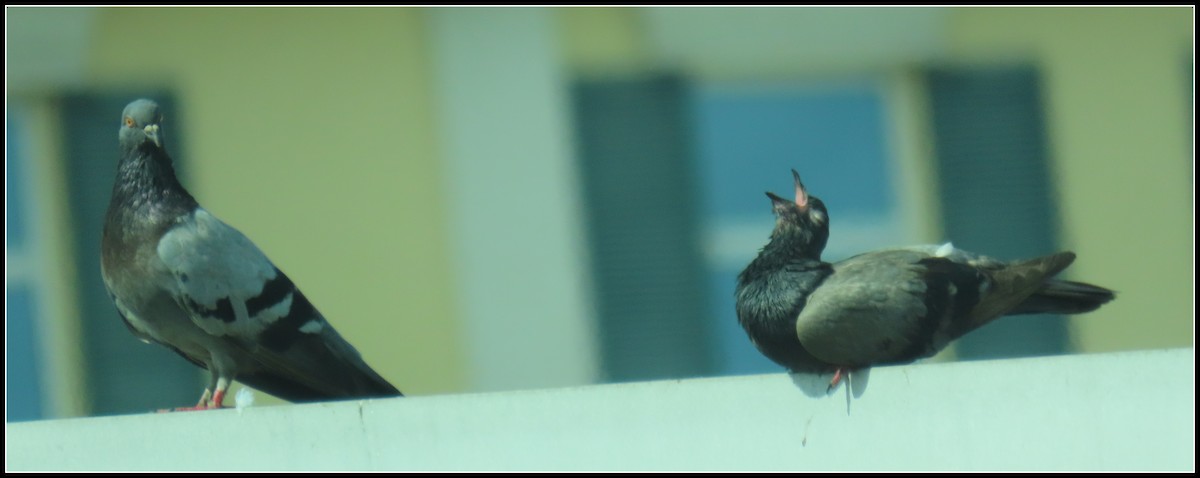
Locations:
(182, 278)
(890, 306)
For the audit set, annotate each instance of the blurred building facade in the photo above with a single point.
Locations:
(487, 199)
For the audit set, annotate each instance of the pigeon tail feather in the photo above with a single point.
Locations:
(1065, 297)
(1013, 284)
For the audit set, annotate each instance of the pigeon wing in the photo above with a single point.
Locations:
(282, 344)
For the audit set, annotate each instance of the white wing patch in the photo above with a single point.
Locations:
(220, 275)
(944, 250)
(312, 327)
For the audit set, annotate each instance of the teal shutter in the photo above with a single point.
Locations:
(638, 176)
(123, 374)
(996, 191)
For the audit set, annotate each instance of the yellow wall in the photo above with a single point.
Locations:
(310, 130)
(1117, 92)
(602, 40)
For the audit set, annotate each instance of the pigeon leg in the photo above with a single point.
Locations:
(205, 403)
(219, 396)
(223, 371)
(837, 378)
(208, 398)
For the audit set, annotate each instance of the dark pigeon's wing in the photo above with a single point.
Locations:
(899, 305)
(875, 308)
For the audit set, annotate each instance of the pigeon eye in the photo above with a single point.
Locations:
(129, 122)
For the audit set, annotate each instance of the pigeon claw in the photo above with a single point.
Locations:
(837, 378)
(185, 409)
(217, 399)
(204, 404)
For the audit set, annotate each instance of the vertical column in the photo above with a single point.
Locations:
(513, 193)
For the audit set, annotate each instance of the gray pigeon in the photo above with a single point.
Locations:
(182, 278)
(890, 306)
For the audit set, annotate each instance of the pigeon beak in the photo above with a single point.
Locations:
(152, 133)
(778, 203)
(801, 193)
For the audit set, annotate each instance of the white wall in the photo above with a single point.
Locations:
(763, 42)
(514, 193)
(1123, 411)
(46, 48)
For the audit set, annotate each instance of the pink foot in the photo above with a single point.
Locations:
(184, 409)
(217, 399)
(204, 404)
(837, 378)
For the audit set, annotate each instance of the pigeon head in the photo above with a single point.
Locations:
(802, 223)
(140, 125)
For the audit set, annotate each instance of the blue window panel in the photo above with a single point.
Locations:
(748, 140)
(736, 355)
(22, 377)
(23, 370)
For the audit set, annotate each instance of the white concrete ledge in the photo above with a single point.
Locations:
(1122, 411)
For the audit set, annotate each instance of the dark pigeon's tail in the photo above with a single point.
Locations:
(1064, 297)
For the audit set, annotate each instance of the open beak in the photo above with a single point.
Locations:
(801, 193)
(777, 202)
(801, 196)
